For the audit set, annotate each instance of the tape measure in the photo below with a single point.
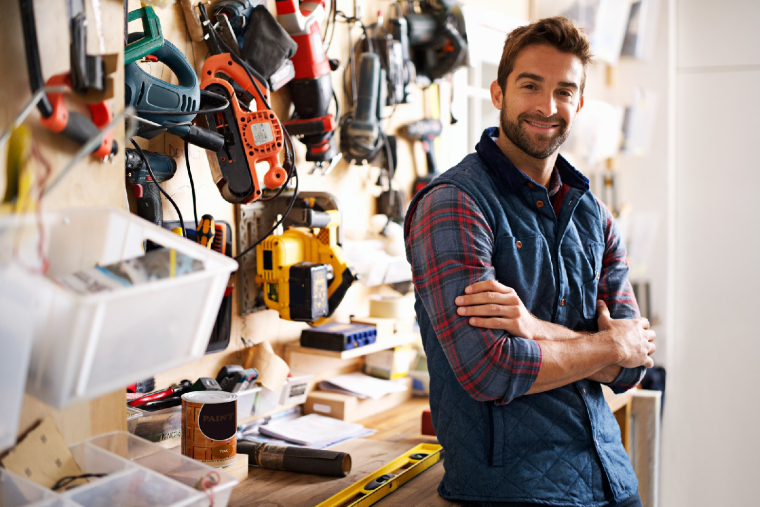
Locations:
(384, 481)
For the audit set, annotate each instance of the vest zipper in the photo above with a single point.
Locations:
(490, 420)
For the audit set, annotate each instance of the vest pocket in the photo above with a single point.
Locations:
(524, 264)
(594, 252)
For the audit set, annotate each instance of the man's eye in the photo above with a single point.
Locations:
(530, 86)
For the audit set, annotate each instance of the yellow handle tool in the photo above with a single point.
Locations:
(206, 231)
(384, 481)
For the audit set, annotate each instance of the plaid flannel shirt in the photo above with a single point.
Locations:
(449, 244)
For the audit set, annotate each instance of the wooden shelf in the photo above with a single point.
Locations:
(387, 342)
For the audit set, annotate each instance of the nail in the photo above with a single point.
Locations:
(461, 311)
(468, 290)
(460, 300)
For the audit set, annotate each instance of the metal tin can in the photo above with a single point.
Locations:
(209, 427)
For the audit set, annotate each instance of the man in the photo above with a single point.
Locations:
(510, 252)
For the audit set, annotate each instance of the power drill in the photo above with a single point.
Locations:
(147, 195)
(425, 131)
(311, 90)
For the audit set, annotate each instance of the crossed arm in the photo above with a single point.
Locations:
(450, 246)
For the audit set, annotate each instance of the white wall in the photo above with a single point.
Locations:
(710, 442)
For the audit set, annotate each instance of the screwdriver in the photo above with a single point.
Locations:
(206, 231)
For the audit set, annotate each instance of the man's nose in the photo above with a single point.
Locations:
(546, 105)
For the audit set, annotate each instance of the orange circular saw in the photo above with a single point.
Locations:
(252, 134)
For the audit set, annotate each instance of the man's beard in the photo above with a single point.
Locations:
(516, 132)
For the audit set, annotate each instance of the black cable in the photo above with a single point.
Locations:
(160, 188)
(192, 185)
(65, 481)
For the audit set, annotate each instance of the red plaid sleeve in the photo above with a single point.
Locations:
(615, 290)
(449, 245)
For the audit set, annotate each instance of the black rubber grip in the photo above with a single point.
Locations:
(149, 206)
(206, 139)
(81, 129)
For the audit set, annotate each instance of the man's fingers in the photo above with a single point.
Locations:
(485, 298)
(488, 286)
(490, 323)
(643, 322)
(489, 310)
(651, 335)
(649, 363)
(601, 309)
(652, 348)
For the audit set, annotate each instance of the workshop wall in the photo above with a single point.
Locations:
(93, 183)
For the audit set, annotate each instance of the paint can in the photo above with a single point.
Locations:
(209, 427)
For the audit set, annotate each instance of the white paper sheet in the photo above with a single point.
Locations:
(361, 385)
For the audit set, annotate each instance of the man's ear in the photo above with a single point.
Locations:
(497, 96)
(580, 105)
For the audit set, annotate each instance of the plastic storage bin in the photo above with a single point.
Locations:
(17, 298)
(245, 402)
(138, 474)
(89, 345)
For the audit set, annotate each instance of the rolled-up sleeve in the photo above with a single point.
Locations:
(450, 245)
(615, 290)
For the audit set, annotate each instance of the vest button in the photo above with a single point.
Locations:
(597, 275)
(562, 303)
(518, 244)
(540, 204)
(530, 185)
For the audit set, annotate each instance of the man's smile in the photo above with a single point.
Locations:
(542, 126)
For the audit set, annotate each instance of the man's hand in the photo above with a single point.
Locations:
(632, 337)
(492, 305)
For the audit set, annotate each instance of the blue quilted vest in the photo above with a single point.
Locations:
(561, 447)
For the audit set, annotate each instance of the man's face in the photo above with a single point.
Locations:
(541, 99)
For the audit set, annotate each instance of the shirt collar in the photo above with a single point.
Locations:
(514, 178)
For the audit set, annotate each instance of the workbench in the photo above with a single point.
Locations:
(398, 430)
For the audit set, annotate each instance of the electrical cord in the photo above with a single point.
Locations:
(192, 184)
(160, 188)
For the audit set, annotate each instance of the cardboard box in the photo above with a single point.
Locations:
(350, 408)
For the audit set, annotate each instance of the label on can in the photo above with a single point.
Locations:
(262, 133)
(209, 425)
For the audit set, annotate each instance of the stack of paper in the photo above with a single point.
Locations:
(314, 430)
(361, 385)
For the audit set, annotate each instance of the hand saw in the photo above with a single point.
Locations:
(250, 135)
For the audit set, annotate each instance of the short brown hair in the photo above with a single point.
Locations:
(558, 32)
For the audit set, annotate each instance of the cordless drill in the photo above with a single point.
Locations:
(147, 194)
(425, 131)
(311, 89)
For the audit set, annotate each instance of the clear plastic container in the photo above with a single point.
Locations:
(17, 298)
(89, 345)
(138, 473)
(245, 402)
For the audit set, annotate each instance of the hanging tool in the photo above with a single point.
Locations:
(400, 58)
(87, 71)
(437, 37)
(206, 231)
(360, 138)
(304, 272)
(385, 480)
(145, 189)
(55, 115)
(311, 90)
(168, 104)
(249, 137)
(424, 131)
(152, 38)
(220, 335)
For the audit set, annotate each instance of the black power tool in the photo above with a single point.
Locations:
(145, 188)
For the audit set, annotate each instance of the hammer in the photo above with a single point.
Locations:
(425, 131)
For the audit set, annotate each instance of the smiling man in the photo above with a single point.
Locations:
(523, 299)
